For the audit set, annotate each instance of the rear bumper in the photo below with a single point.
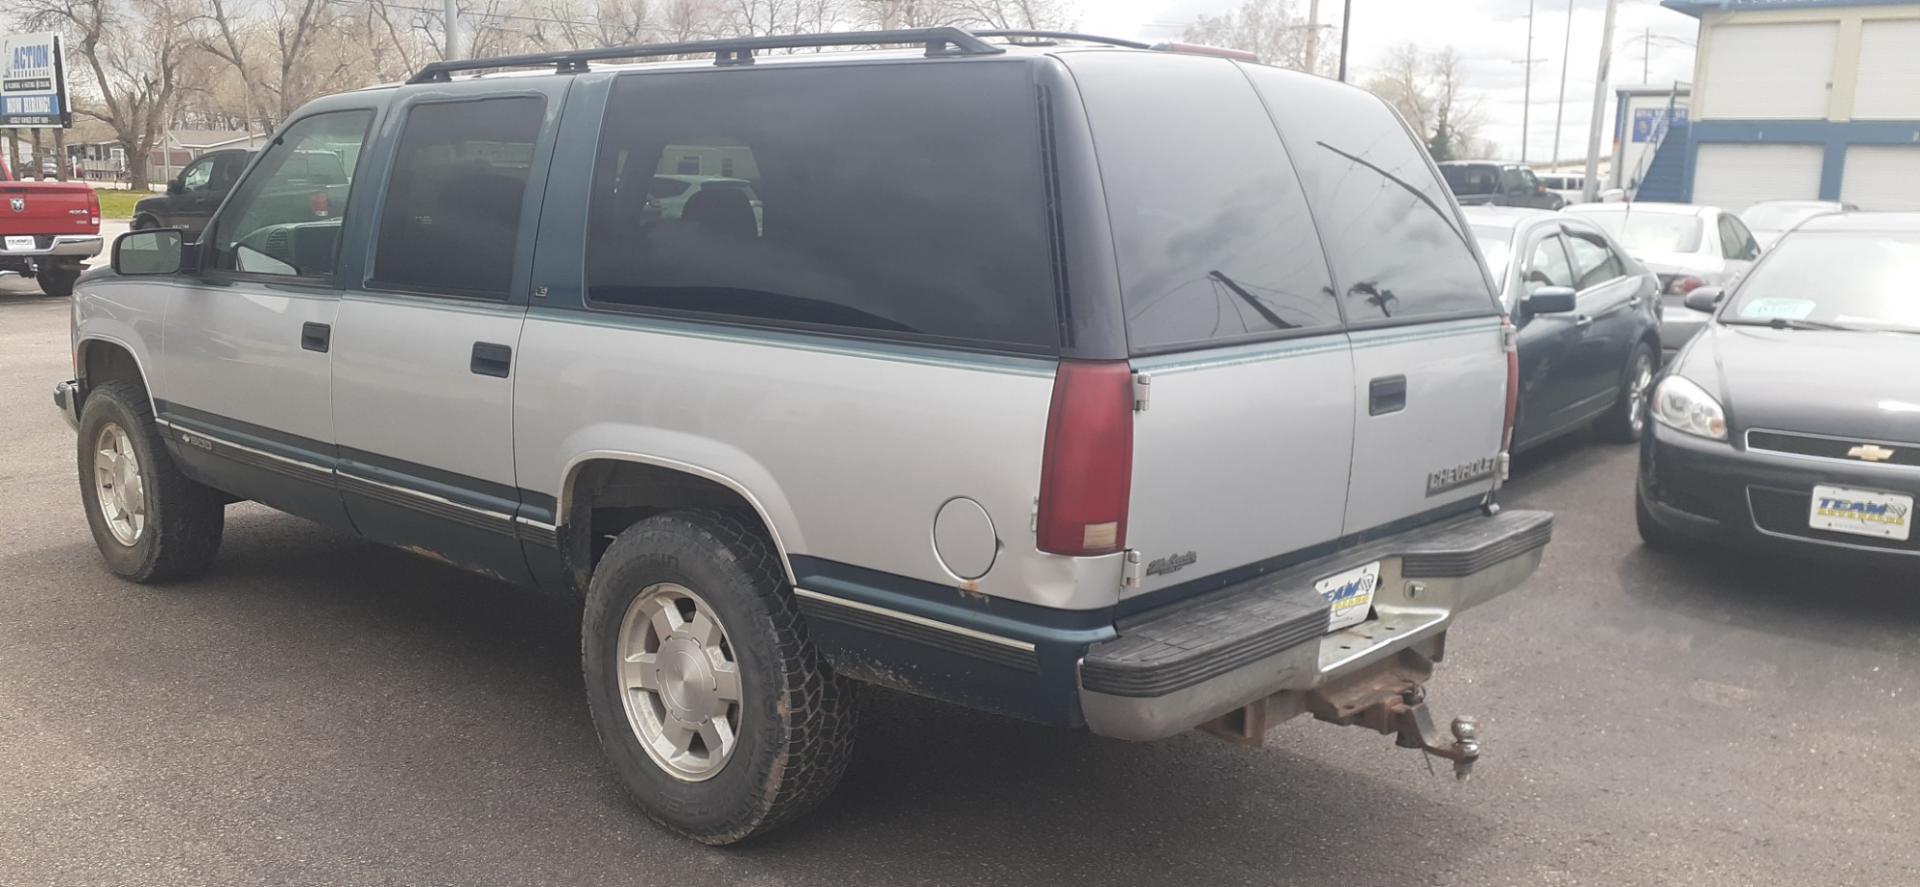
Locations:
(79, 246)
(1177, 668)
(66, 396)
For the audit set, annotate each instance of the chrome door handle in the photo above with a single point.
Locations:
(1583, 321)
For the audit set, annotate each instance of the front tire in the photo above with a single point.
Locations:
(1627, 420)
(715, 710)
(151, 522)
(1652, 532)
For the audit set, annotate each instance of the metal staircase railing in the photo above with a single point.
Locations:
(1657, 137)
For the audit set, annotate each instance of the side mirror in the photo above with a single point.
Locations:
(176, 187)
(156, 251)
(1550, 300)
(1705, 298)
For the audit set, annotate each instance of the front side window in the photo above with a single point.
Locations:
(832, 197)
(196, 177)
(1593, 262)
(451, 219)
(1397, 245)
(1549, 266)
(282, 222)
(1209, 251)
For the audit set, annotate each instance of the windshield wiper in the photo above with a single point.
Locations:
(1782, 323)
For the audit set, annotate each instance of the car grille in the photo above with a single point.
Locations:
(1784, 513)
(1831, 447)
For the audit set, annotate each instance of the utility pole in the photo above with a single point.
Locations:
(1592, 190)
(1313, 36)
(451, 9)
(1646, 56)
(1526, 93)
(1566, 56)
(1346, 18)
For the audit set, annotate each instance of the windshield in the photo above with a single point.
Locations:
(1497, 245)
(1471, 179)
(1852, 279)
(1650, 232)
(1780, 217)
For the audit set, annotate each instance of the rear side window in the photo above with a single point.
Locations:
(903, 200)
(1472, 178)
(1212, 232)
(451, 218)
(1396, 242)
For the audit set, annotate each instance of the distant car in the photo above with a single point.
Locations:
(1491, 183)
(669, 195)
(1572, 187)
(49, 168)
(1769, 219)
(1589, 322)
(1687, 246)
(1792, 423)
(194, 194)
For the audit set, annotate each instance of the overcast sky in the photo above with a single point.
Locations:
(1490, 34)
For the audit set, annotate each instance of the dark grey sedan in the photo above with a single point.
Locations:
(1792, 422)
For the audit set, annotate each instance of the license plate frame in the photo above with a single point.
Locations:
(1349, 595)
(1874, 514)
(21, 242)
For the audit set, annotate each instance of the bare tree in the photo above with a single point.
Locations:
(1030, 15)
(1269, 29)
(275, 52)
(135, 57)
(1430, 90)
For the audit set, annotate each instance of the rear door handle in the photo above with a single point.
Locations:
(316, 337)
(490, 359)
(1387, 394)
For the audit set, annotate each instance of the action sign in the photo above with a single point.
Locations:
(33, 83)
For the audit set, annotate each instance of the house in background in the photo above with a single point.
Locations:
(1800, 99)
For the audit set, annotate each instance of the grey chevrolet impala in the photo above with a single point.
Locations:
(1113, 388)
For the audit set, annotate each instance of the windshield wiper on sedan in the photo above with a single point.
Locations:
(1782, 323)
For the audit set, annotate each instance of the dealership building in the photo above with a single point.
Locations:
(1795, 99)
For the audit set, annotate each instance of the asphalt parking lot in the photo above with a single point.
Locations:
(322, 710)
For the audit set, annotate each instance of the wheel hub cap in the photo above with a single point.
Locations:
(118, 485)
(680, 684)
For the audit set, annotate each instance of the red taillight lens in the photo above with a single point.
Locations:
(93, 207)
(1086, 473)
(1513, 390)
(1684, 284)
(320, 204)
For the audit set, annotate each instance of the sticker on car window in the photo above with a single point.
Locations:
(1785, 309)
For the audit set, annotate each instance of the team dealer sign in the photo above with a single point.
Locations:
(33, 83)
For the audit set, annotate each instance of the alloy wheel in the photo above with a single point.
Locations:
(679, 681)
(118, 485)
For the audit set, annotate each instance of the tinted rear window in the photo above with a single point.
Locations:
(1476, 179)
(1396, 242)
(900, 200)
(1212, 232)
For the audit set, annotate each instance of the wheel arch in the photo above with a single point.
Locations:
(99, 359)
(602, 489)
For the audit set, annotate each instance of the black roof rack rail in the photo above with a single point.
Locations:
(729, 51)
(1064, 35)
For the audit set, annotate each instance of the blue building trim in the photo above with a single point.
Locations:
(1697, 8)
(1835, 137)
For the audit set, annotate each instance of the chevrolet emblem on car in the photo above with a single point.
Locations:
(1870, 453)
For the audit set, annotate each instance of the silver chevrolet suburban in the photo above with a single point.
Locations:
(1105, 386)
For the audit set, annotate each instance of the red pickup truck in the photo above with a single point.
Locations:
(48, 230)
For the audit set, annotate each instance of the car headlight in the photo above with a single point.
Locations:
(1680, 404)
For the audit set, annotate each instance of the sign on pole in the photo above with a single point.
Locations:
(33, 82)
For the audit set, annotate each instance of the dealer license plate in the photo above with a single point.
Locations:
(1349, 595)
(1861, 512)
(16, 242)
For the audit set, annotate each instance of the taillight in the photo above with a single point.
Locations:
(320, 205)
(1086, 472)
(1684, 284)
(1508, 334)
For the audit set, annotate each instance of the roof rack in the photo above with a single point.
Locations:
(731, 51)
(1065, 35)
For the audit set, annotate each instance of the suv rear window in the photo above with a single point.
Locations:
(1471, 178)
(901, 200)
(1211, 230)
(1396, 242)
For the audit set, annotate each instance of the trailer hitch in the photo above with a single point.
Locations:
(1391, 700)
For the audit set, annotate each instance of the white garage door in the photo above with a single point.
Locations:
(1889, 87)
(1882, 177)
(1734, 177)
(1767, 72)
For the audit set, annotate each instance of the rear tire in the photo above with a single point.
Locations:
(58, 280)
(1627, 420)
(151, 522)
(715, 710)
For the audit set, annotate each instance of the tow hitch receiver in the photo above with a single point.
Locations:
(1391, 698)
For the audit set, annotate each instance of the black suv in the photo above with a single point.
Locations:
(1491, 183)
(194, 194)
